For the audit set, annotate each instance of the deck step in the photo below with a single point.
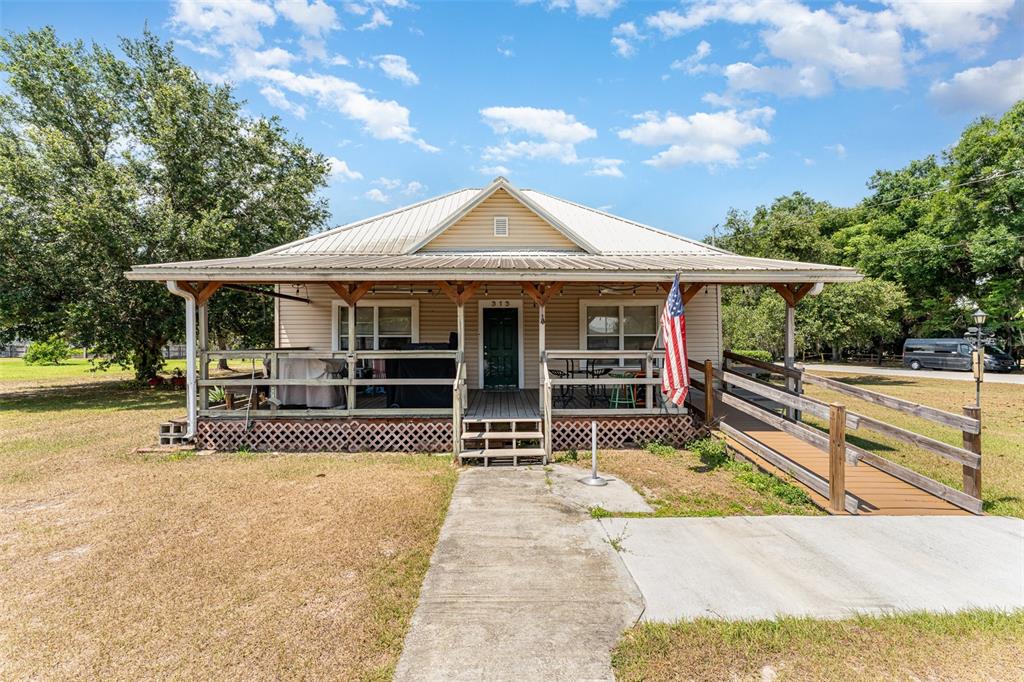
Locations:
(502, 435)
(511, 456)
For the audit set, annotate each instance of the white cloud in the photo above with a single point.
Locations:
(605, 167)
(396, 67)
(596, 8)
(838, 149)
(377, 19)
(279, 100)
(388, 183)
(413, 188)
(809, 162)
(256, 61)
(382, 119)
(854, 47)
(378, 196)
(990, 89)
(958, 26)
(356, 8)
(624, 39)
(694, 64)
(207, 50)
(506, 51)
(226, 23)
(339, 170)
(494, 170)
(339, 60)
(707, 138)
(313, 18)
(554, 133)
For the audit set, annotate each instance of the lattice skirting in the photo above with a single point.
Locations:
(327, 435)
(626, 432)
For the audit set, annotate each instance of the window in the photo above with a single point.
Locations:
(632, 326)
(380, 325)
(500, 226)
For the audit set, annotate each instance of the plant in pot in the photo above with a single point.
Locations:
(178, 378)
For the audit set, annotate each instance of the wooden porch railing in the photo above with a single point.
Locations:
(840, 420)
(350, 382)
(644, 359)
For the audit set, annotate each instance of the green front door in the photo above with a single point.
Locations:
(501, 347)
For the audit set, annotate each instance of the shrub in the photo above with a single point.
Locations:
(570, 455)
(762, 355)
(52, 351)
(710, 450)
(660, 449)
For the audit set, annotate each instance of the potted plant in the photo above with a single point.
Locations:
(178, 378)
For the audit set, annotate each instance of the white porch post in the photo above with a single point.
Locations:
(350, 391)
(460, 312)
(204, 362)
(541, 345)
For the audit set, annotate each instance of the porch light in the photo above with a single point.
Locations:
(979, 317)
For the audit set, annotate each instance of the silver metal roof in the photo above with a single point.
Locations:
(385, 247)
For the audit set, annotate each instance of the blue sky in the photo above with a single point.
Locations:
(667, 113)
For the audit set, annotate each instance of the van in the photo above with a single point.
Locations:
(952, 354)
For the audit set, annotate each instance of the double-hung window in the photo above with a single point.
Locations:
(629, 325)
(380, 325)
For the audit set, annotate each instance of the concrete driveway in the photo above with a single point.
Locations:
(824, 567)
(523, 584)
(990, 377)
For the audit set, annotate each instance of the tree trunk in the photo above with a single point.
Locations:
(837, 353)
(148, 359)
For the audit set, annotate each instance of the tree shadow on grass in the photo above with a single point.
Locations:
(872, 380)
(111, 395)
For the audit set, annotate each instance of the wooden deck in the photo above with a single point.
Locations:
(876, 491)
(522, 404)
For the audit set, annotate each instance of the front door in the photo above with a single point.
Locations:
(501, 347)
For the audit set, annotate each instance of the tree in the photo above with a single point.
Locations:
(861, 314)
(108, 162)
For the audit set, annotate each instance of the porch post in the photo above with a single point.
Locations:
(350, 390)
(790, 358)
(204, 362)
(460, 313)
(541, 345)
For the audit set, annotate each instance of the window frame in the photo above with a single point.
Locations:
(621, 302)
(376, 305)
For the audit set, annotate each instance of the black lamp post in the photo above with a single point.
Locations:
(979, 318)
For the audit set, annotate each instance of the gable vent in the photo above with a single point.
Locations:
(500, 226)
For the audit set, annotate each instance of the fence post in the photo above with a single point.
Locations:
(837, 457)
(709, 393)
(972, 442)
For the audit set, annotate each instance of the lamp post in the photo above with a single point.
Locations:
(979, 318)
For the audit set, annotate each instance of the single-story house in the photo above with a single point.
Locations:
(495, 321)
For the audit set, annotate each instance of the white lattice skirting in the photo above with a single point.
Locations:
(327, 435)
(428, 435)
(626, 432)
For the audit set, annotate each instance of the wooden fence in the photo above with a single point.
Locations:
(840, 420)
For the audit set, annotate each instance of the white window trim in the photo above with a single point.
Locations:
(499, 303)
(621, 302)
(375, 304)
(508, 226)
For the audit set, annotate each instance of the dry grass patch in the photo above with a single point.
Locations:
(124, 566)
(1002, 413)
(681, 483)
(965, 646)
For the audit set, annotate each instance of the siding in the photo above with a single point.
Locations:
(301, 324)
(476, 229)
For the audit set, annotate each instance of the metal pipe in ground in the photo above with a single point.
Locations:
(593, 479)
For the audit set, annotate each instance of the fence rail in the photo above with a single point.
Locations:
(835, 443)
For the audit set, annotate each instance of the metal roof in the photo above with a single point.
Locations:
(718, 267)
(385, 247)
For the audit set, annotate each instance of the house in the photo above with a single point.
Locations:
(498, 322)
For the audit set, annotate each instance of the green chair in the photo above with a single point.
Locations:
(623, 395)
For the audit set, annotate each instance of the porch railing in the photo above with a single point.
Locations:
(350, 383)
(588, 374)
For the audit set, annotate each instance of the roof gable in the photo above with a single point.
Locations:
(467, 227)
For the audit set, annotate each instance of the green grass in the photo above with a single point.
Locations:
(973, 645)
(15, 369)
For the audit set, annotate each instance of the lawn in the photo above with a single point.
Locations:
(1002, 441)
(15, 374)
(966, 646)
(125, 565)
(684, 483)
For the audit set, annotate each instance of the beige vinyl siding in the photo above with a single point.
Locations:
(525, 229)
(301, 324)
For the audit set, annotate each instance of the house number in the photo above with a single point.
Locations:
(500, 304)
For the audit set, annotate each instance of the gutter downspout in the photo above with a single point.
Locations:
(190, 355)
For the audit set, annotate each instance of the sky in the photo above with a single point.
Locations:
(666, 113)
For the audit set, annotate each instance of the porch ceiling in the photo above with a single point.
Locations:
(719, 268)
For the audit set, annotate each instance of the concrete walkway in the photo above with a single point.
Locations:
(523, 584)
(990, 377)
(824, 567)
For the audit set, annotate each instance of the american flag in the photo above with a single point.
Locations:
(675, 378)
